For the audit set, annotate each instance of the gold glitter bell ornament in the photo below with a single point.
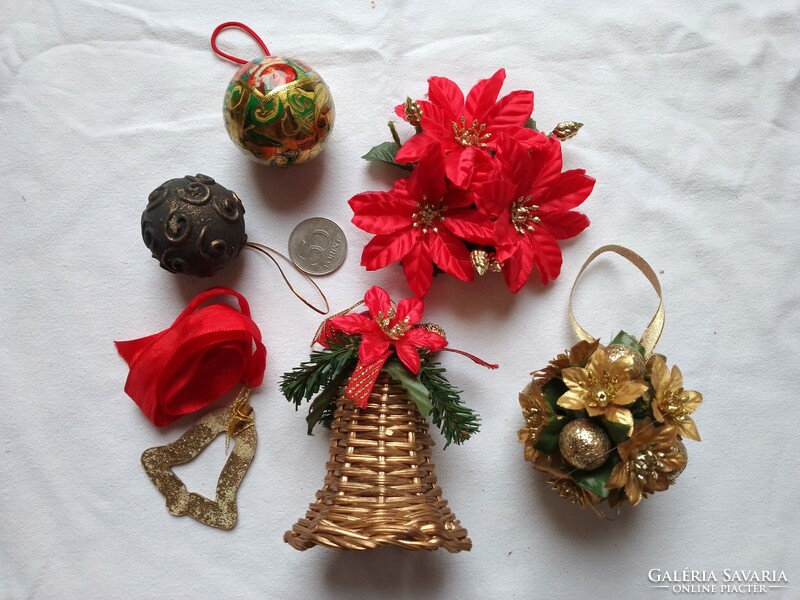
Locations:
(584, 444)
(276, 108)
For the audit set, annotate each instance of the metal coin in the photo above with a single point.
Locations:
(317, 246)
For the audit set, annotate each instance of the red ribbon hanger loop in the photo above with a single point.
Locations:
(235, 25)
(203, 354)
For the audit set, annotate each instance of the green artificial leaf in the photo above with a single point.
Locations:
(595, 481)
(641, 408)
(530, 124)
(385, 153)
(552, 391)
(321, 409)
(395, 135)
(549, 436)
(417, 392)
(323, 367)
(616, 431)
(628, 340)
(324, 370)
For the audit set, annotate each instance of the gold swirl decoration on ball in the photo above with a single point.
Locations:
(156, 198)
(177, 227)
(196, 192)
(229, 208)
(267, 110)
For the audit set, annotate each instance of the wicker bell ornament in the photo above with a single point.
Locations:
(380, 487)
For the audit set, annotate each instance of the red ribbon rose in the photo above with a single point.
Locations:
(201, 356)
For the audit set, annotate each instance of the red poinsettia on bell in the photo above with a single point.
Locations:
(486, 190)
(383, 329)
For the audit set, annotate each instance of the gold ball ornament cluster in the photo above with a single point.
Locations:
(607, 425)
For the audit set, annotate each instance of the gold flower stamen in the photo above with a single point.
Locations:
(396, 331)
(522, 214)
(474, 135)
(413, 112)
(429, 215)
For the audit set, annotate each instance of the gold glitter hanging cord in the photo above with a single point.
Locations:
(267, 251)
(653, 331)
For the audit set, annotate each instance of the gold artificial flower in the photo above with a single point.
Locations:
(647, 460)
(603, 388)
(574, 357)
(535, 412)
(672, 404)
(552, 464)
(567, 488)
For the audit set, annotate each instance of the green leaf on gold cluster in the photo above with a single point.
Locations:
(595, 481)
(552, 391)
(628, 340)
(548, 437)
(616, 431)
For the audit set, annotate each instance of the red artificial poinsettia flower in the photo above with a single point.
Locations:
(421, 221)
(383, 327)
(468, 128)
(531, 204)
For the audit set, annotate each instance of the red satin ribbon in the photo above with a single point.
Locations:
(363, 380)
(202, 355)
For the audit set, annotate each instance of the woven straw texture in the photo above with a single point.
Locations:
(380, 487)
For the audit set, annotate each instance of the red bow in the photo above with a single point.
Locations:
(204, 353)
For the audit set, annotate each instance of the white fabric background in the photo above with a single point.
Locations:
(692, 124)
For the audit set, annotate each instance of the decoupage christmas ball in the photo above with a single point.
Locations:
(193, 225)
(279, 110)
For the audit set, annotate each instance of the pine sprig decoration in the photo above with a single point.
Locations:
(457, 422)
(325, 369)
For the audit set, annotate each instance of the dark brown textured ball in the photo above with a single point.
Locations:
(193, 225)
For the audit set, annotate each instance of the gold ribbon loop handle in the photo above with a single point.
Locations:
(653, 331)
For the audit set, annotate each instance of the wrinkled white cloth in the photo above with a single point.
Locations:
(692, 132)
